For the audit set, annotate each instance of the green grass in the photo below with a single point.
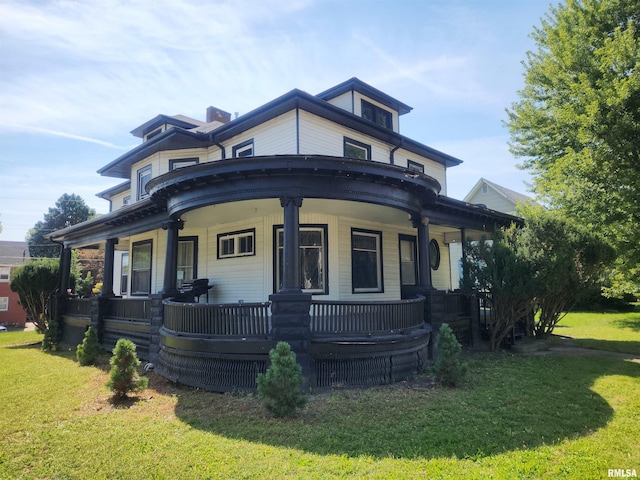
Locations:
(516, 417)
(614, 332)
(19, 337)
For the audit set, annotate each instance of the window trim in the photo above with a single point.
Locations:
(324, 228)
(380, 266)
(132, 271)
(409, 238)
(239, 149)
(2, 274)
(434, 254)
(174, 163)
(3, 301)
(124, 285)
(142, 193)
(194, 239)
(376, 110)
(250, 232)
(415, 166)
(355, 143)
(153, 133)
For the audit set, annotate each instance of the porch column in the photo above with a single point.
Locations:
(173, 228)
(424, 265)
(107, 274)
(65, 270)
(291, 250)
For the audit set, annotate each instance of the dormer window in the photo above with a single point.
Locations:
(377, 115)
(153, 133)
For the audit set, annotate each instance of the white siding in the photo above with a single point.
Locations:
(440, 278)
(275, 137)
(344, 101)
(431, 168)
(165, 156)
(118, 199)
(154, 161)
(493, 200)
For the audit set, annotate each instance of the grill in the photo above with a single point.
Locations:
(192, 291)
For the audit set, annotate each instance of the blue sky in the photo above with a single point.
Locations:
(77, 76)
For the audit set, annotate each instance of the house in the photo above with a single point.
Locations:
(496, 197)
(310, 220)
(12, 256)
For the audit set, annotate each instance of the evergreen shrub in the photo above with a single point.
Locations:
(449, 370)
(88, 351)
(123, 377)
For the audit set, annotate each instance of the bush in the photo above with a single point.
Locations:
(282, 384)
(449, 370)
(88, 351)
(124, 376)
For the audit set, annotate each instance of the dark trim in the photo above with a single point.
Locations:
(229, 234)
(141, 193)
(177, 161)
(297, 131)
(355, 84)
(375, 109)
(414, 239)
(131, 261)
(158, 121)
(241, 146)
(355, 143)
(434, 254)
(325, 235)
(380, 258)
(125, 290)
(194, 239)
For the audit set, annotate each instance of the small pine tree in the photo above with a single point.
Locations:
(449, 369)
(88, 351)
(123, 375)
(281, 386)
(50, 339)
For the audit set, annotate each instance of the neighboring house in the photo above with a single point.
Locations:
(12, 256)
(314, 220)
(496, 197)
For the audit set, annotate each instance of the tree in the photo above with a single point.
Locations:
(35, 282)
(576, 124)
(449, 370)
(69, 210)
(282, 384)
(500, 270)
(123, 377)
(90, 349)
(566, 259)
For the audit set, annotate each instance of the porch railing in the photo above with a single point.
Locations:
(78, 306)
(241, 319)
(332, 317)
(129, 308)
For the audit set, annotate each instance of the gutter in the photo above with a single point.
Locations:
(393, 151)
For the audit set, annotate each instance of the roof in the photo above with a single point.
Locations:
(109, 192)
(13, 253)
(509, 194)
(367, 90)
(176, 120)
(181, 138)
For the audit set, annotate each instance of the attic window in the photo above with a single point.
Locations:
(153, 133)
(485, 189)
(376, 115)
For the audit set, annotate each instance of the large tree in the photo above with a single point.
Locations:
(576, 125)
(69, 210)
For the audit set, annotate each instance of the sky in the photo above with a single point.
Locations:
(77, 76)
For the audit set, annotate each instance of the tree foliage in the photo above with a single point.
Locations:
(576, 124)
(69, 209)
(123, 377)
(35, 282)
(90, 349)
(281, 386)
(448, 369)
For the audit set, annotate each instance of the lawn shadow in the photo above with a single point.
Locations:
(630, 323)
(510, 403)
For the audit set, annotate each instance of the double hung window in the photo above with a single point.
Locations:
(312, 258)
(366, 261)
(144, 175)
(141, 255)
(187, 259)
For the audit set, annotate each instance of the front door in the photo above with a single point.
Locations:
(408, 266)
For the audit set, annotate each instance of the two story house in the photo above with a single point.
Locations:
(310, 219)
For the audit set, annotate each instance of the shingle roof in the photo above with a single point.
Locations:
(13, 253)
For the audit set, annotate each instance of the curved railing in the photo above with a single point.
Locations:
(233, 319)
(339, 317)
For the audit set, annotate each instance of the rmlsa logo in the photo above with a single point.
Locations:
(622, 473)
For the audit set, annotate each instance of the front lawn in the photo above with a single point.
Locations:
(516, 417)
(615, 332)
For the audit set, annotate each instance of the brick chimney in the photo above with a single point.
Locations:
(216, 115)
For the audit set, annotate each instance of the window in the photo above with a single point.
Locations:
(408, 264)
(244, 149)
(4, 304)
(415, 166)
(355, 149)
(366, 261)
(126, 200)
(237, 244)
(182, 162)
(144, 175)
(485, 189)
(377, 115)
(5, 274)
(141, 268)
(154, 133)
(187, 259)
(124, 274)
(313, 258)
(434, 254)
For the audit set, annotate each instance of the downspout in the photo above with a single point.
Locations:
(393, 151)
(217, 144)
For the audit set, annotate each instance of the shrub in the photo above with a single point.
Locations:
(88, 351)
(281, 386)
(124, 376)
(448, 368)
